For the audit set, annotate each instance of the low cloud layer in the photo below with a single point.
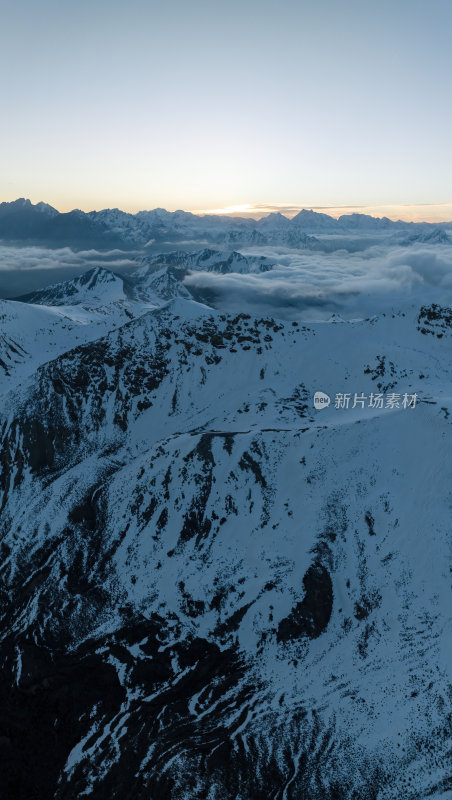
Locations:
(24, 269)
(303, 284)
(340, 282)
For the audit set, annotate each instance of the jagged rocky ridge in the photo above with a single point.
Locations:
(209, 589)
(21, 221)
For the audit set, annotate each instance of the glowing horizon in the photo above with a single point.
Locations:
(420, 212)
(433, 212)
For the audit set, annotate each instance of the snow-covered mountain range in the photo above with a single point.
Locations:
(211, 589)
(21, 221)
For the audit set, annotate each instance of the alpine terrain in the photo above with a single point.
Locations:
(212, 587)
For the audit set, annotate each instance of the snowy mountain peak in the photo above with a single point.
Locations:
(24, 204)
(209, 260)
(45, 208)
(313, 221)
(21, 202)
(97, 285)
(275, 221)
(97, 275)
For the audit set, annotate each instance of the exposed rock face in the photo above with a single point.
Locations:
(209, 589)
(310, 616)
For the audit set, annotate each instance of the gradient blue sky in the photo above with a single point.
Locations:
(201, 105)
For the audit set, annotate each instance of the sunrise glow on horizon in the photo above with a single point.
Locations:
(409, 213)
(427, 212)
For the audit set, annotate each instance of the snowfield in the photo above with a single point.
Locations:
(210, 589)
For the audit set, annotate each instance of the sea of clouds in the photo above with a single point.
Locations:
(313, 284)
(302, 283)
(25, 269)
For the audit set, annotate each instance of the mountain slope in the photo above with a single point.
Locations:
(40, 326)
(209, 588)
(97, 285)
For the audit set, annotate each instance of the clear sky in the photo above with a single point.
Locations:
(205, 105)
